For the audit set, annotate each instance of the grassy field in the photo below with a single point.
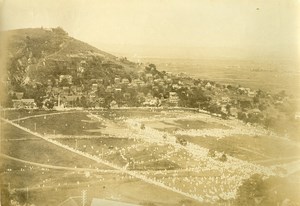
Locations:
(65, 124)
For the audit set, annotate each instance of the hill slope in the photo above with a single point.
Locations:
(38, 55)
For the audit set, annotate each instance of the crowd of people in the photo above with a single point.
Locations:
(196, 179)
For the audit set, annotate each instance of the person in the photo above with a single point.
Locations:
(223, 157)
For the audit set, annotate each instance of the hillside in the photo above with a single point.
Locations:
(38, 55)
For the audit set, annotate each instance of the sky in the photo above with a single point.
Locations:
(168, 28)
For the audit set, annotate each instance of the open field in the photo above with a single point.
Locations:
(65, 124)
(142, 148)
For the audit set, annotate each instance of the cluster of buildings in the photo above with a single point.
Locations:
(147, 88)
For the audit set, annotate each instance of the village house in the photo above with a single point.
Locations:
(118, 89)
(56, 82)
(113, 104)
(80, 70)
(117, 80)
(244, 103)
(19, 95)
(98, 81)
(169, 81)
(141, 97)
(208, 85)
(132, 86)
(223, 109)
(233, 111)
(109, 89)
(55, 90)
(65, 90)
(251, 94)
(150, 100)
(127, 95)
(125, 81)
(49, 82)
(94, 87)
(297, 116)
(161, 83)
(143, 84)
(70, 101)
(83, 63)
(138, 81)
(73, 89)
(155, 88)
(225, 100)
(173, 98)
(65, 77)
(23, 103)
(101, 100)
(92, 97)
(48, 89)
(176, 86)
(254, 111)
(149, 77)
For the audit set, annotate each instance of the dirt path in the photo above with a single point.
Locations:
(56, 167)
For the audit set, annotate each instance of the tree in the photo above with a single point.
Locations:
(5, 195)
(83, 102)
(64, 83)
(214, 108)
(77, 102)
(150, 67)
(228, 106)
(49, 104)
(270, 122)
(251, 191)
(211, 153)
(242, 116)
(271, 191)
(7, 101)
(59, 31)
(223, 158)
(39, 102)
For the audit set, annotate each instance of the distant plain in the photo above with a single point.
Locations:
(269, 75)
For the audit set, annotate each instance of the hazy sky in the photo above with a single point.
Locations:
(168, 28)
